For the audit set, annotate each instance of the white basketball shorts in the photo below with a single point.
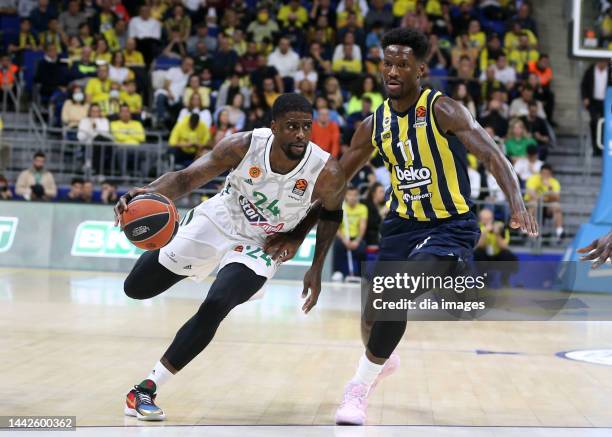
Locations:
(201, 245)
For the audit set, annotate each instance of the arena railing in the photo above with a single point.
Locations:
(501, 209)
(129, 164)
(12, 94)
(546, 236)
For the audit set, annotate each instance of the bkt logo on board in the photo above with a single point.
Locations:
(8, 229)
(102, 239)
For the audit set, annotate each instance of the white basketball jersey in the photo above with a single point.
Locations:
(256, 202)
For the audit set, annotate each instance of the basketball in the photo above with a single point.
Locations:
(151, 221)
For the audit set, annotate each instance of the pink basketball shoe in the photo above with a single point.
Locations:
(353, 408)
(354, 405)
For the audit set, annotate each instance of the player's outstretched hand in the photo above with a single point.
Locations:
(599, 250)
(122, 203)
(525, 221)
(283, 246)
(312, 281)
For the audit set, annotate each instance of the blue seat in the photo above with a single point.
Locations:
(494, 26)
(9, 25)
(439, 78)
(30, 62)
(164, 63)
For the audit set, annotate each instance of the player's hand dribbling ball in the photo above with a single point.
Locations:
(150, 221)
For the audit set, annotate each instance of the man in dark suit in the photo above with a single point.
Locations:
(51, 73)
(593, 89)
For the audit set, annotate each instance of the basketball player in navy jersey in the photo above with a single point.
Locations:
(422, 136)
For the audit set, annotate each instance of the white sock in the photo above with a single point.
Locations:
(559, 231)
(367, 371)
(159, 375)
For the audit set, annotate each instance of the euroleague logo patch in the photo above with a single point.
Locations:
(238, 248)
(300, 187)
(421, 117)
(254, 171)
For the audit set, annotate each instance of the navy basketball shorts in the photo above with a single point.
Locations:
(402, 239)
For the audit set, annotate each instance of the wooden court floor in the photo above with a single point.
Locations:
(73, 344)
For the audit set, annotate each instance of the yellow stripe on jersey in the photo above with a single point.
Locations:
(428, 161)
(448, 162)
(387, 148)
(374, 143)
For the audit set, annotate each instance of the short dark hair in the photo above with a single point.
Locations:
(532, 150)
(39, 154)
(546, 167)
(403, 36)
(351, 188)
(194, 119)
(77, 181)
(290, 102)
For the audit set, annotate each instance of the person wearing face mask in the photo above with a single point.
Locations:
(74, 110)
(110, 106)
(5, 191)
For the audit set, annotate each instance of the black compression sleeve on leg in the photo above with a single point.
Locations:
(386, 335)
(235, 284)
(148, 277)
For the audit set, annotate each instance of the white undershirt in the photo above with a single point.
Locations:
(139, 28)
(601, 83)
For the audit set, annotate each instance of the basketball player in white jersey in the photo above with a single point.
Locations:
(279, 182)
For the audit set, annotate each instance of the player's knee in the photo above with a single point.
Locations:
(133, 288)
(215, 307)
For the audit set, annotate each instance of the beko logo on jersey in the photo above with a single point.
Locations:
(256, 218)
(413, 177)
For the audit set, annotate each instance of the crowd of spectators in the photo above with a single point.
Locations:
(228, 60)
(197, 71)
(601, 36)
